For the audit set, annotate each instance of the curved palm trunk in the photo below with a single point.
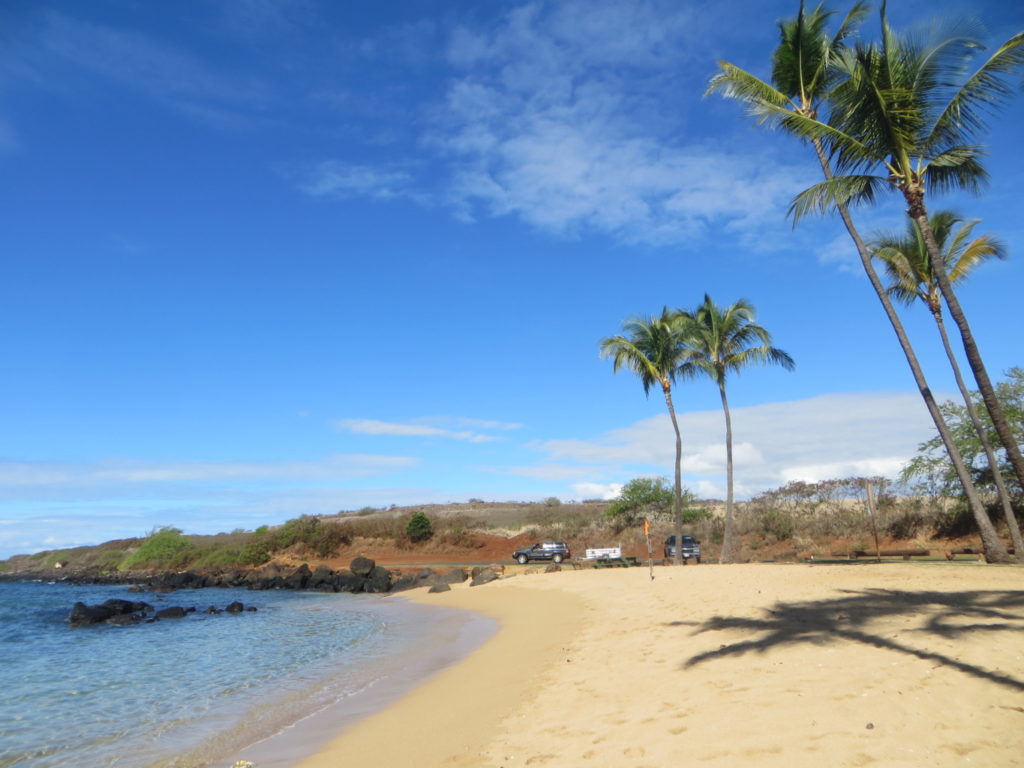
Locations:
(727, 538)
(677, 501)
(994, 549)
(972, 412)
(919, 213)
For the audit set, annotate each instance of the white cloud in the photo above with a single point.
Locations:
(548, 471)
(556, 114)
(823, 437)
(340, 180)
(841, 253)
(597, 490)
(813, 473)
(487, 424)
(424, 428)
(23, 474)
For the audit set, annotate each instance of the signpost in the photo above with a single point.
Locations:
(650, 552)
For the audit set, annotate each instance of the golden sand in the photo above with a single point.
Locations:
(744, 665)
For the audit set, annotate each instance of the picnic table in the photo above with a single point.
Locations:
(609, 557)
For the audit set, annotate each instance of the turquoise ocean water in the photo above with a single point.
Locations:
(206, 689)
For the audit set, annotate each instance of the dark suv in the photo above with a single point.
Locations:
(691, 548)
(556, 551)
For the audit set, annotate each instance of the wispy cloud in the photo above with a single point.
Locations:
(16, 475)
(340, 180)
(63, 52)
(555, 114)
(438, 427)
(823, 437)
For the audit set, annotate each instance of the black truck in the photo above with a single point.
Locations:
(556, 551)
(690, 549)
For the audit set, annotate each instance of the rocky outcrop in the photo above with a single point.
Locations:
(113, 611)
(485, 574)
(173, 612)
(126, 612)
(363, 575)
(362, 566)
(428, 577)
(378, 580)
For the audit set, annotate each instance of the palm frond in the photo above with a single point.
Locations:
(826, 195)
(957, 168)
(735, 83)
(853, 19)
(650, 347)
(727, 339)
(907, 282)
(962, 117)
(964, 254)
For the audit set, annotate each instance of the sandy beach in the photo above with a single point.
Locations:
(898, 664)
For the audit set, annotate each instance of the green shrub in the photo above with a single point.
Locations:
(309, 533)
(255, 552)
(693, 515)
(218, 556)
(647, 497)
(163, 548)
(419, 527)
(109, 560)
(777, 524)
(552, 501)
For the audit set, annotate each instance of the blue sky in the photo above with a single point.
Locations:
(268, 258)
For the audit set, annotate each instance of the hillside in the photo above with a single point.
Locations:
(480, 532)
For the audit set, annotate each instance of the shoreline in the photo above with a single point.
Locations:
(425, 640)
(449, 718)
(786, 665)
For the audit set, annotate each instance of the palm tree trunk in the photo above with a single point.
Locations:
(677, 501)
(727, 538)
(972, 412)
(993, 547)
(919, 213)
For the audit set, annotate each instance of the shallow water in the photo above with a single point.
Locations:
(205, 689)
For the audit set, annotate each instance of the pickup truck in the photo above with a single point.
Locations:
(690, 550)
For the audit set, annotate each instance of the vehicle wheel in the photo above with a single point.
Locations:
(557, 558)
(698, 560)
(522, 559)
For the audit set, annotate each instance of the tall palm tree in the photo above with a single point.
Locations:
(653, 348)
(912, 278)
(723, 341)
(906, 118)
(803, 76)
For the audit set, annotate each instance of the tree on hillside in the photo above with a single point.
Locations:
(911, 274)
(419, 527)
(932, 465)
(805, 73)
(653, 348)
(723, 341)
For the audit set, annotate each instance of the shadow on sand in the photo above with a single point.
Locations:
(851, 618)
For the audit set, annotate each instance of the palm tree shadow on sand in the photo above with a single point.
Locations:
(950, 615)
